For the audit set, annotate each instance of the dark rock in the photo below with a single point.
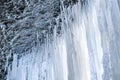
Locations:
(69, 2)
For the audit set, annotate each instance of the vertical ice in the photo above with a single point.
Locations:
(88, 48)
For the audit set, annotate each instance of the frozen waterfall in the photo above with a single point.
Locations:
(87, 49)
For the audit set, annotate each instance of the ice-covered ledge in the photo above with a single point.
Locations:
(24, 23)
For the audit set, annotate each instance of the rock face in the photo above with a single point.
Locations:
(20, 23)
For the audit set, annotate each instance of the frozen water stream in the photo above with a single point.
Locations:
(88, 48)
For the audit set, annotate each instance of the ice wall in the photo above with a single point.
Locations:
(86, 49)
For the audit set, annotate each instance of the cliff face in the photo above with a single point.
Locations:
(20, 23)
